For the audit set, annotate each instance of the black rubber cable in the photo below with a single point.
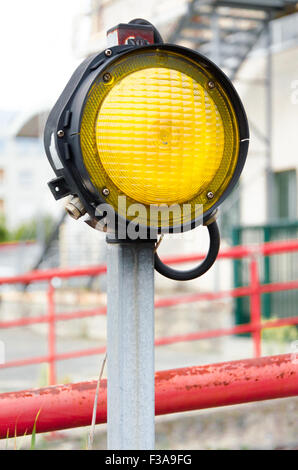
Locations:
(177, 275)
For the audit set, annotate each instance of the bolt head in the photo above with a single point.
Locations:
(105, 192)
(60, 133)
(75, 208)
(73, 211)
(108, 52)
(210, 195)
(211, 84)
(106, 77)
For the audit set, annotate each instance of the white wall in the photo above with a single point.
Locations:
(24, 187)
(284, 131)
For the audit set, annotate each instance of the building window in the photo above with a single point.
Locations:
(285, 189)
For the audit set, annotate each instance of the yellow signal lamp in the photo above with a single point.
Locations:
(158, 124)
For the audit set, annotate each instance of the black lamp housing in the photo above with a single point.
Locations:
(62, 131)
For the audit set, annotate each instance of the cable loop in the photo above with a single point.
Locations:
(198, 271)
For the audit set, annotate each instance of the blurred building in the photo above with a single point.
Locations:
(284, 109)
(24, 170)
(24, 194)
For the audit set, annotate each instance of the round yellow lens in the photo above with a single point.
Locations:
(159, 136)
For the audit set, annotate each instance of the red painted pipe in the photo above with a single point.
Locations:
(191, 388)
(46, 275)
(160, 303)
(255, 306)
(266, 249)
(197, 335)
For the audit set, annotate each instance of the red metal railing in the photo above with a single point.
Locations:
(190, 388)
(254, 290)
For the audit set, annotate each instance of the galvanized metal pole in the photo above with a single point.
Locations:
(130, 345)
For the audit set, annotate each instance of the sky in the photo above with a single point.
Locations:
(36, 51)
